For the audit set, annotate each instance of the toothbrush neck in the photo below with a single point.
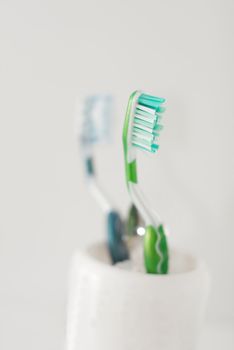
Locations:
(99, 195)
(131, 170)
(89, 166)
(140, 202)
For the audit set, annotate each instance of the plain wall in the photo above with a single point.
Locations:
(53, 51)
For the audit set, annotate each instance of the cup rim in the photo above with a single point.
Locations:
(88, 254)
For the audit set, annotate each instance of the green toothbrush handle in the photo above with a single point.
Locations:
(155, 250)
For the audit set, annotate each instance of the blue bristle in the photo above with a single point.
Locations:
(96, 119)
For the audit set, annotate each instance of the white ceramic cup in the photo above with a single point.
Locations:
(114, 309)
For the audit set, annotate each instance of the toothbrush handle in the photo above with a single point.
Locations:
(155, 250)
(116, 244)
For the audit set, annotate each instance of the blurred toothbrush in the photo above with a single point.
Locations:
(96, 114)
(141, 131)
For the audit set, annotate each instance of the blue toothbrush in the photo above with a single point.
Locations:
(96, 112)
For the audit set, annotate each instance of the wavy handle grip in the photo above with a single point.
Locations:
(155, 250)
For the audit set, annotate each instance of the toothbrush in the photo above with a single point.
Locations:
(141, 131)
(95, 129)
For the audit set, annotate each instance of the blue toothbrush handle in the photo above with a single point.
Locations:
(116, 244)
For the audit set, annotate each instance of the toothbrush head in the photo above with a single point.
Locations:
(141, 128)
(92, 126)
(146, 116)
(146, 123)
(95, 126)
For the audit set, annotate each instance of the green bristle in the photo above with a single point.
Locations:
(150, 101)
(154, 98)
(160, 109)
(144, 132)
(144, 114)
(152, 149)
(143, 122)
(146, 127)
(158, 127)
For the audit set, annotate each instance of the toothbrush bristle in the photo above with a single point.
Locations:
(96, 112)
(146, 123)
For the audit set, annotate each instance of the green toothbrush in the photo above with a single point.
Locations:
(141, 130)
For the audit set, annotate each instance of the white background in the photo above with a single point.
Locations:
(52, 51)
